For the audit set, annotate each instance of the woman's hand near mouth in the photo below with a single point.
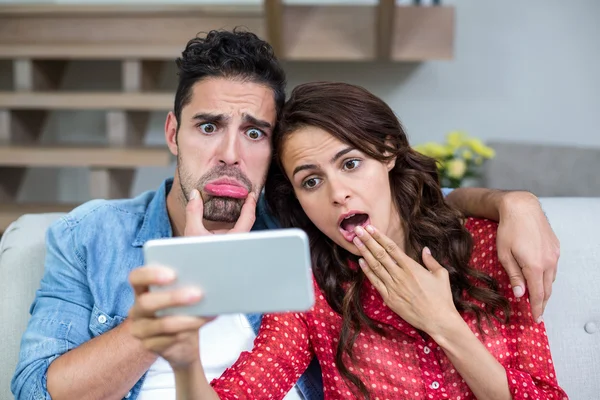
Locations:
(420, 296)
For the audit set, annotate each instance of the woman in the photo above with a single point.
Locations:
(389, 320)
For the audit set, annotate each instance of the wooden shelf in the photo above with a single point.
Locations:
(91, 51)
(83, 156)
(86, 101)
(298, 32)
(9, 212)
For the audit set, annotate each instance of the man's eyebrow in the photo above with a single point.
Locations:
(259, 123)
(340, 154)
(303, 168)
(208, 117)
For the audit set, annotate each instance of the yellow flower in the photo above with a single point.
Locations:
(479, 148)
(433, 150)
(456, 139)
(456, 168)
(467, 154)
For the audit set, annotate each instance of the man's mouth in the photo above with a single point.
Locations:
(226, 187)
(349, 221)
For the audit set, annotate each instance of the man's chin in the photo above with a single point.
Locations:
(222, 210)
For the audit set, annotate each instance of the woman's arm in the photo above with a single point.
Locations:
(422, 297)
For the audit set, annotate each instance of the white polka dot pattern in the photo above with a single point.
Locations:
(402, 364)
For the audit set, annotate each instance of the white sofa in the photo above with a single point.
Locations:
(572, 315)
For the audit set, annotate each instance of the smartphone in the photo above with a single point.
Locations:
(253, 272)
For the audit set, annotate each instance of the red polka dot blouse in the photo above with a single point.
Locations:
(402, 365)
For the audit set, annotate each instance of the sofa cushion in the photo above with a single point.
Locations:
(22, 252)
(572, 315)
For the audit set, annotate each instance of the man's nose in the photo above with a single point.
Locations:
(229, 152)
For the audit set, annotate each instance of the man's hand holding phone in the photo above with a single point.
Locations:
(176, 338)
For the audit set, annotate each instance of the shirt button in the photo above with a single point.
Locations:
(435, 385)
(102, 319)
(128, 395)
(427, 350)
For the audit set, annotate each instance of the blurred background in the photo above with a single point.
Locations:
(505, 93)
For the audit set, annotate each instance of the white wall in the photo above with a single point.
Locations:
(523, 70)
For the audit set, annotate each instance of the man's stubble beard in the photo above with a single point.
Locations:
(216, 209)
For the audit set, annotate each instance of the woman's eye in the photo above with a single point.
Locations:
(254, 134)
(311, 183)
(208, 128)
(351, 164)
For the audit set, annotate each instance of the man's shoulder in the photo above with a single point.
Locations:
(113, 214)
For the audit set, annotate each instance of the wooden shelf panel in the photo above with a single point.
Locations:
(91, 51)
(308, 32)
(86, 101)
(9, 212)
(83, 156)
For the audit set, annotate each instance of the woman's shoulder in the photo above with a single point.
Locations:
(484, 255)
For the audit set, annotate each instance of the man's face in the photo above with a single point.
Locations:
(223, 144)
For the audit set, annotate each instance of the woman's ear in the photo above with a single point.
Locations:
(391, 164)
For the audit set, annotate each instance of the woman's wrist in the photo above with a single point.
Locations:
(450, 330)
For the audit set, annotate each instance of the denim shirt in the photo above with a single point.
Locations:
(85, 290)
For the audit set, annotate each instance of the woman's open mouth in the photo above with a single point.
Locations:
(348, 222)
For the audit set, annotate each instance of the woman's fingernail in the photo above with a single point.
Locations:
(194, 194)
(370, 229)
(518, 291)
(427, 251)
(358, 242)
(362, 263)
(359, 231)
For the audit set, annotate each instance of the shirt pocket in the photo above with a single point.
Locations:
(101, 322)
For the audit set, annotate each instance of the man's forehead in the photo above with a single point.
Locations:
(232, 98)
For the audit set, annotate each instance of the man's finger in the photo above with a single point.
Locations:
(143, 277)
(515, 274)
(149, 327)
(147, 304)
(194, 214)
(535, 282)
(548, 280)
(247, 215)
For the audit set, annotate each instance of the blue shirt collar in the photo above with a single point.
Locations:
(156, 224)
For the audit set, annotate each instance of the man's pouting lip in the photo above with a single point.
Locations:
(350, 220)
(226, 187)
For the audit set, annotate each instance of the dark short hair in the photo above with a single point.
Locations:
(228, 54)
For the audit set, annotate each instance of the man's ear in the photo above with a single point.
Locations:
(171, 129)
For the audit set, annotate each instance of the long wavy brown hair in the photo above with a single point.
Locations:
(360, 119)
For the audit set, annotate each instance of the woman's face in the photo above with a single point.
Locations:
(339, 187)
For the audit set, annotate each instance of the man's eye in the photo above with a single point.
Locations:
(351, 164)
(254, 134)
(208, 128)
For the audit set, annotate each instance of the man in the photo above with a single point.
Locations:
(78, 343)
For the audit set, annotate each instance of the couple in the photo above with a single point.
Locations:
(382, 325)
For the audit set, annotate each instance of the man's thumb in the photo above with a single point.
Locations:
(194, 212)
